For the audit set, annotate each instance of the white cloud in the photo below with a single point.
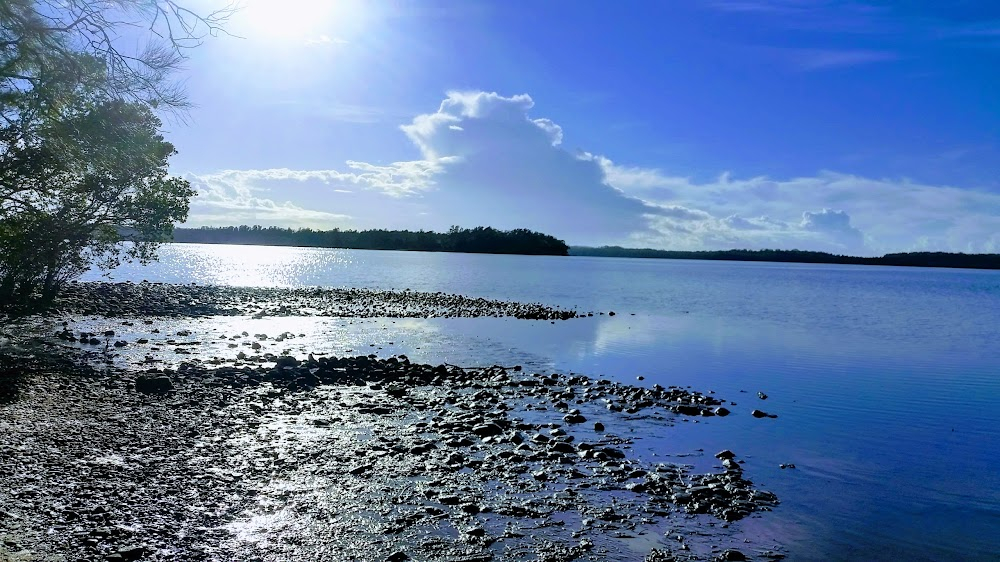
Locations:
(485, 160)
(221, 201)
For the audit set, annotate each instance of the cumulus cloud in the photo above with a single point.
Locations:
(882, 215)
(485, 159)
(837, 224)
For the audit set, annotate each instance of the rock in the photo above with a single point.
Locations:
(133, 552)
(487, 430)
(286, 361)
(398, 556)
(761, 414)
(731, 555)
(598, 426)
(563, 447)
(761, 395)
(720, 411)
(784, 466)
(574, 418)
(153, 384)
(726, 454)
(687, 410)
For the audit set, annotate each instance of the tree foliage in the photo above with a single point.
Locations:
(39, 35)
(83, 167)
(481, 240)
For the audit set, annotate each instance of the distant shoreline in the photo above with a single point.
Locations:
(911, 259)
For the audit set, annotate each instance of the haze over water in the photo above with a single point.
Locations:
(885, 380)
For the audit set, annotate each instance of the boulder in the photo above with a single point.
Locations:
(153, 384)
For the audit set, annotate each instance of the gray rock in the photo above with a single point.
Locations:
(731, 555)
(153, 384)
(563, 447)
(133, 552)
(726, 454)
(487, 430)
(286, 361)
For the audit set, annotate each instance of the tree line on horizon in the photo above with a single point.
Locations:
(478, 240)
(908, 259)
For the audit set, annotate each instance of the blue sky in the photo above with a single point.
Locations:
(852, 127)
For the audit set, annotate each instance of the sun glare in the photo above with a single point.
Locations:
(308, 21)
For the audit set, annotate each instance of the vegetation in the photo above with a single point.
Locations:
(83, 167)
(916, 259)
(483, 240)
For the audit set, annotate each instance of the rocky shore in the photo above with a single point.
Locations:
(160, 299)
(265, 456)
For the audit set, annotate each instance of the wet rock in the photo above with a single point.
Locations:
(761, 395)
(730, 464)
(153, 384)
(731, 555)
(398, 556)
(598, 426)
(726, 454)
(720, 411)
(487, 430)
(687, 410)
(762, 414)
(574, 418)
(286, 361)
(563, 447)
(132, 552)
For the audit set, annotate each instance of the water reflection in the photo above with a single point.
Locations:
(884, 379)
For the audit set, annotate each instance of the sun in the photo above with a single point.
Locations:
(325, 21)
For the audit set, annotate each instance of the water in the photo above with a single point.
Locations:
(886, 380)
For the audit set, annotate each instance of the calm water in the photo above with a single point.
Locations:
(886, 380)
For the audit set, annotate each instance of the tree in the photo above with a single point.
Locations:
(83, 168)
(37, 35)
(79, 180)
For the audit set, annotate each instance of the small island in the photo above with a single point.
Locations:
(479, 240)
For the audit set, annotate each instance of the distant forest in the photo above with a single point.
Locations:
(479, 240)
(913, 259)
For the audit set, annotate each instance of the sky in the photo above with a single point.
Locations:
(849, 127)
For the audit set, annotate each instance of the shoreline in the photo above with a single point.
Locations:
(267, 455)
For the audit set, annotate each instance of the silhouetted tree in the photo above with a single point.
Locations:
(77, 180)
(457, 239)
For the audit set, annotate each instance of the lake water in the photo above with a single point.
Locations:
(886, 380)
